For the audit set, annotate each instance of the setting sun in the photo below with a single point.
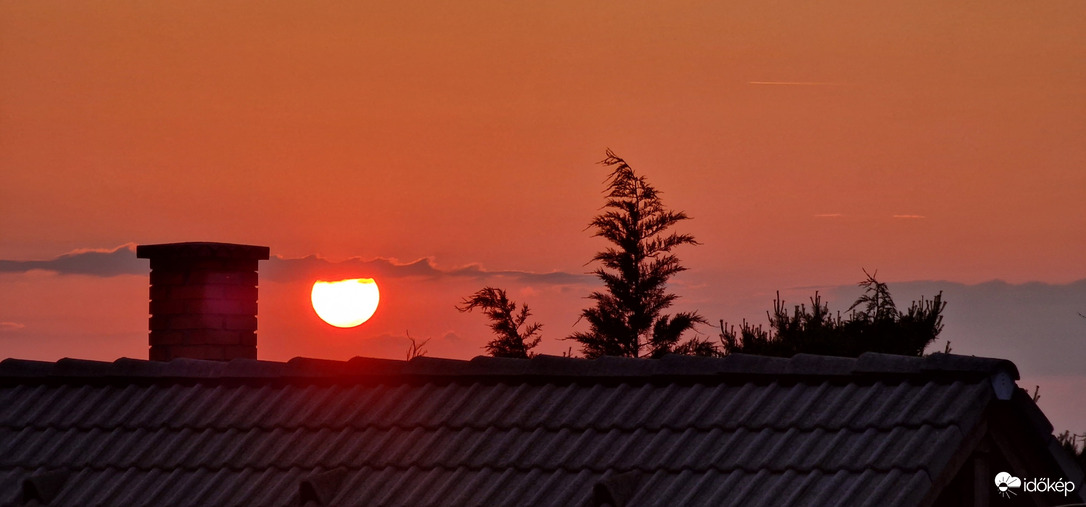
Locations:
(345, 303)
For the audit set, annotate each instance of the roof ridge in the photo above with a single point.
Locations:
(542, 366)
(886, 426)
(611, 468)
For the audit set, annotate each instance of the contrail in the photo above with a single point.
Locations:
(796, 83)
(909, 216)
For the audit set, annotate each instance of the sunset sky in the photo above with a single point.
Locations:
(440, 147)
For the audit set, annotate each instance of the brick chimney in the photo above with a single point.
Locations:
(203, 300)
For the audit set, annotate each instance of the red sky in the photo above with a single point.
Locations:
(928, 140)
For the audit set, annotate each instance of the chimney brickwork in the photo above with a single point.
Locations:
(203, 300)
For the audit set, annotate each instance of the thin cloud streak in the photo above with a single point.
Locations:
(11, 326)
(909, 216)
(796, 83)
(829, 215)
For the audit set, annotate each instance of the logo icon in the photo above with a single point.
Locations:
(1005, 482)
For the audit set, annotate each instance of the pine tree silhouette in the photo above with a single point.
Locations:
(628, 317)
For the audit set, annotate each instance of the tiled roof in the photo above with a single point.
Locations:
(740, 430)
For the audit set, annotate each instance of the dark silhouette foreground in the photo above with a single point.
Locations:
(628, 317)
(514, 337)
(874, 324)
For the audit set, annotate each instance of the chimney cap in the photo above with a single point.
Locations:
(205, 250)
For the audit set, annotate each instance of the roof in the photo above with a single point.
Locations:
(738, 430)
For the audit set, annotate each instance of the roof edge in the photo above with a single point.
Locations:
(801, 365)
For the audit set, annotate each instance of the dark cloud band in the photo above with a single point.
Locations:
(122, 261)
(119, 261)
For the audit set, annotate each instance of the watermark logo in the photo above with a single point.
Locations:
(1007, 484)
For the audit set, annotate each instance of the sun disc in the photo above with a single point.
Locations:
(345, 303)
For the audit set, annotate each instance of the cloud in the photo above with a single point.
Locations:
(796, 83)
(869, 217)
(122, 261)
(10, 326)
(96, 262)
(281, 269)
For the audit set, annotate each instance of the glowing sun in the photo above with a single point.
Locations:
(346, 303)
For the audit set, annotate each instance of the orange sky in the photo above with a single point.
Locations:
(926, 139)
(468, 133)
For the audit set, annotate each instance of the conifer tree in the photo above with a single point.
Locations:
(628, 317)
(514, 337)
